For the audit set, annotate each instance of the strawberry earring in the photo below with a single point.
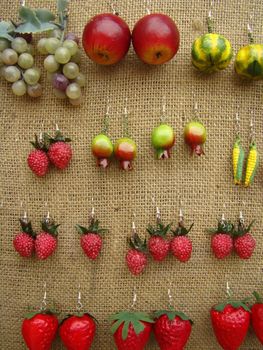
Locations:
(78, 329)
(244, 242)
(24, 242)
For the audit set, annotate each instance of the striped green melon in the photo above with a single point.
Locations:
(211, 52)
(249, 61)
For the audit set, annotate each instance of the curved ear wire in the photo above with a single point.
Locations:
(134, 299)
(79, 303)
(43, 305)
(147, 5)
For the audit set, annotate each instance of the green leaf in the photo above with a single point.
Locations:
(116, 325)
(125, 330)
(82, 230)
(62, 5)
(257, 297)
(138, 326)
(44, 15)
(5, 29)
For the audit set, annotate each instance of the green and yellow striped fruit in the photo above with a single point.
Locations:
(249, 62)
(211, 52)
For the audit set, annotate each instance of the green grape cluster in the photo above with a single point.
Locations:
(17, 67)
(62, 60)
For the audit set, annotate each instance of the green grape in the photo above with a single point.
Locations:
(60, 94)
(62, 55)
(71, 70)
(50, 64)
(31, 50)
(12, 74)
(19, 45)
(25, 60)
(19, 88)
(73, 91)
(71, 45)
(32, 76)
(80, 79)
(9, 57)
(77, 57)
(2, 71)
(4, 44)
(52, 44)
(41, 46)
(34, 90)
(76, 101)
(55, 33)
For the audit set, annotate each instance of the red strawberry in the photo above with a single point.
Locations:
(172, 329)
(222, 241)
(181, 246)
(46, 241)
(91, 241)
(230, 321)
(77, 332)
(131, 330)
(136, 258)
(158, 245)
(59, 152)
(37, 159)
(257, 317)
(39, 330)
(244, 243)
(24, 242)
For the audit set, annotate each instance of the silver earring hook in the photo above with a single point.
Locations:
(133, 224)
(79, 303)
(134, 299)
(223, 218)
(57, 128)
(163, 109)
(112, 6)
(24, 215)
(22, 3)
(237, 124)
(158, 212)
(170, 297)
(195, 110)
(229, 291)
(252, 129)
(148, 4)
(181, 213)
(92, 214)
(241, 217)
(43, 306)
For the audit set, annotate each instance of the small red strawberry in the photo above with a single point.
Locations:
(131, 330)
(46, 241)
(230, 321)
(39, 330)
(37, 159)
(77, 332)
(91, 241)
(158, 246)
(257, 317)
(24, 242)
(244, 243)
(172, 329)
(222, 240)
(181, 245)
(136, 258)
(59, 152)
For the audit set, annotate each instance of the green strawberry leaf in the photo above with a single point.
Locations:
(257, 297)
(6, 28)
(138, 326)
(116, 325)
(125, 330)
(82, 230)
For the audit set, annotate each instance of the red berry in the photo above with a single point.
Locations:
(257, 317)
(158, 247)
(222, 245)
(60, 154)
(91, 244)
(38, 162)
(45, 245)
(24, 244)
(181, 248)
(245, 246)
(136, 261)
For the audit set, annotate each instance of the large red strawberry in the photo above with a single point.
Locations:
(39, 330)
(230, 321)
(257, 317)
(24, 242)
(222, 240)
(136, 258)
(244, 243)
(78, 331)
(158, 245)
(46, 241)
(59, 152)
(131, 330)
(181, 245)
(37, 159)
(172, 329)
(91, 241)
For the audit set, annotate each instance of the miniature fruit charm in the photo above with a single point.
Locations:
(171, 329)
(155, 38)
(136, 258)
(244, 243)
(91, 240)
(222, 243)
(163, 139)
(38, 160)
(39, 330)
(238, 156)
(24, 242)
(257, 317)
(102, 149)
(131, 330)
(59, 152)
(46, 241)
(211, 52)
(106, 39)
(125, 150)
(158, 245)
(77, 332)
(252, 164)
(195, 136)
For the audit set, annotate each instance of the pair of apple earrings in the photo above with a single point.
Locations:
(155, 37)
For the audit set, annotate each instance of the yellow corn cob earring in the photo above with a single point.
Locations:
(253, 157)
(238, 156)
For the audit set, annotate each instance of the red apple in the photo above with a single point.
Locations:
(155, 38)
(106, 39)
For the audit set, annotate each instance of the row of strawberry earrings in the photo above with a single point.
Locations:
(226, 238)
(172, 329)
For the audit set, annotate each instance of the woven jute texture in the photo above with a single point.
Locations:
(204, 184)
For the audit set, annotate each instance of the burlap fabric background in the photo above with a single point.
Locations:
(204, 184)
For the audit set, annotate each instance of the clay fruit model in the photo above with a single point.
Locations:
(102, 149)
(158, 245)
(78, 331)
(163, 139)
(125, 151)
(244, 243)
(24, 242)
(195, 136)
(211, 52)
(171, 329)
(59, 152)
(106, 39)
(136, 258)
(39, 330)
(155, 38)
(131, 330)
(181, 245)
(222, 243)
(257, 317)
(37, 159)
(46, 241)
